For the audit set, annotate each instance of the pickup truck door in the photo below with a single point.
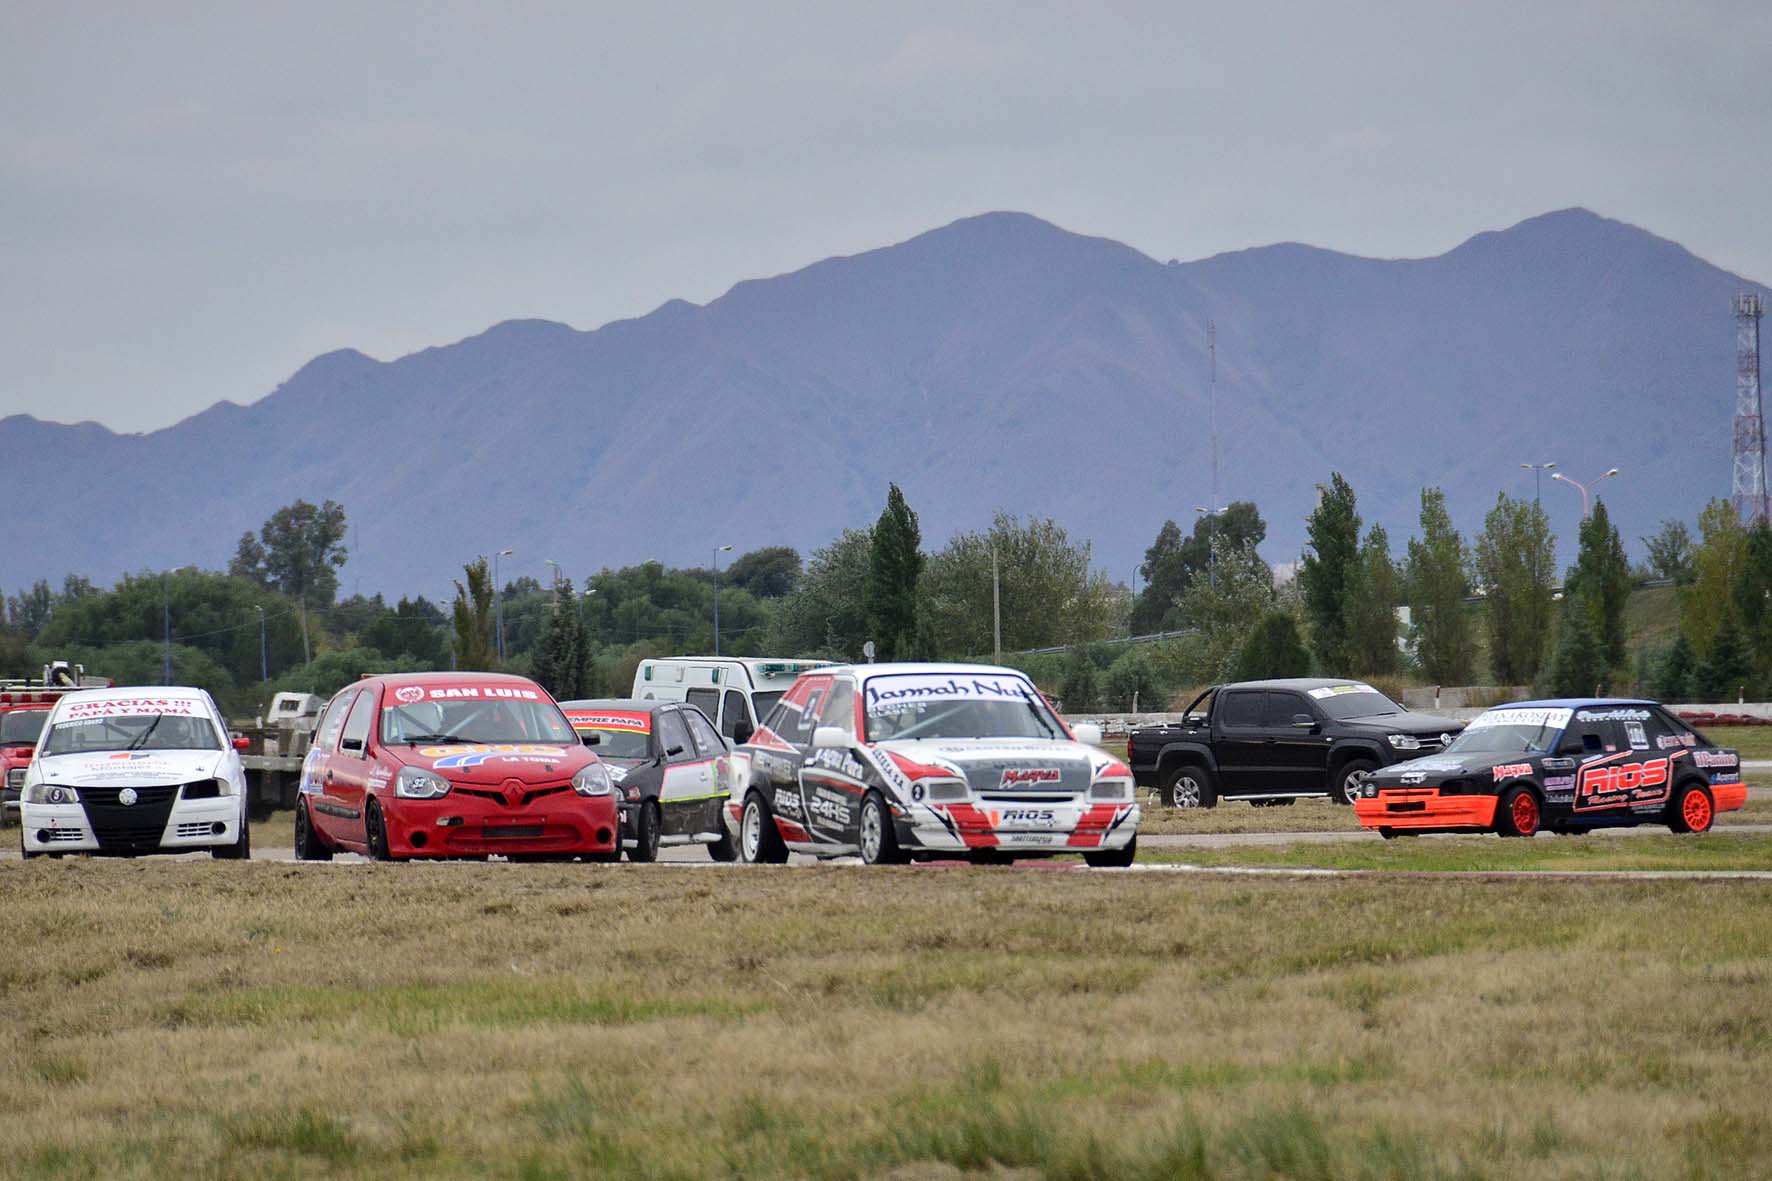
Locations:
(1299, 755)
(1240, 740)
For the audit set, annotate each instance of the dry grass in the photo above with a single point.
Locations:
(1754, 742)
(1714, 851)
(198, 1018)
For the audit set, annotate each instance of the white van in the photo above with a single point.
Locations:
(730, 690)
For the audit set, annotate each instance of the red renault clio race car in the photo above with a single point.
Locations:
(452, 765)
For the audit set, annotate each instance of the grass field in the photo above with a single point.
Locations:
(1488, 854)
(1754, 742)
(196, 1018)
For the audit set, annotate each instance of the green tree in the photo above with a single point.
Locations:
(1225, 608)
(29, 611)
(1438, 581)
(562, 655)
(1333, 532)
(1165, 576)
(1172, 563)
(1728, 669)
(1049, 594)
(825, 615)
(1515, 557)
(895, 564)
(1673, 672)
(298, 552)
(1371, 606)
(413, 628)
(1670, 551)
(473, 618)
(768, 573)
(1577, 664)
(1600, 583)
(1753, 599)
(1080, 691)
(1717, 562)
(1273, 649)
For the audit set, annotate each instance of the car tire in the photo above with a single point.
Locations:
(1350, 778)
(877, 837)
(1387, 832)
(1519, 813)
(1692, 809)
(759, 841)
(241, 849)
(375, 834)
(1113, 858)
(1190, 786)
(646, 834)
(25, 854)
(308, 846)
(724, 850)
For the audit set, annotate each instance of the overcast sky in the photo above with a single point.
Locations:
(196, 199)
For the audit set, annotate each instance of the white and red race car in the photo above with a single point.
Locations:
(915, 761)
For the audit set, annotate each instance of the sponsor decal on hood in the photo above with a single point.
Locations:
(140, 767)
(1535, 717)
(446, 758)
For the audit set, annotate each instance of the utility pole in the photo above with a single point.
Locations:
(498, 604)
(166, 622)
(1212, 402)
(718, 550)
(996, 611)
(264, 664)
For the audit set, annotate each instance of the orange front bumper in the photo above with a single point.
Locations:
(1415, 807)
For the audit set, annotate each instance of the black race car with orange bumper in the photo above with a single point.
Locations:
(897, 762)
(1568, 765)
(427, 765)
(669, 767)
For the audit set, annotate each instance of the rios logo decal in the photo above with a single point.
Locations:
(1622, 784)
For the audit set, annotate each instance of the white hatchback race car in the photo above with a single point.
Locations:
(120, 772)
(900, 762)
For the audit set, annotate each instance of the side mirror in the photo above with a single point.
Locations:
(351, 744)
(1304, 721)
(1087, 733)
(741, 732)
(242, 743)
(673, 752)
(830, 738)
(590, 738)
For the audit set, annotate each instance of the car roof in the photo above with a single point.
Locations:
(445, 678)
(131, 692)
(632, 705)
(903, 668)
(1575, 703)
(1293, 683)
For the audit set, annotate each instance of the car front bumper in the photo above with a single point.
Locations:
(192, 825)
(1019, 828)
(460, 825)
(1417, 808)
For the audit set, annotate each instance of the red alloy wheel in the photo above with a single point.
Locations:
(1696, 811)
(1525, 813)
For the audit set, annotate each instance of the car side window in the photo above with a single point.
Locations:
(1243, 709)
(706, 700)
(707, 739)
(326, 737)
(839, 708)
(736, 711)
(673, 733)
(812, 703)
(355, 736)
(1595, 737)
(1666, 731)
(1279, 709)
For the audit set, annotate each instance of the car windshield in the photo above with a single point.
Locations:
(1511, 732)
(21, 725)
(921, 705)
(1353, 700)
(429, 722)
(134, 732)
(620, 734)
(764, 702)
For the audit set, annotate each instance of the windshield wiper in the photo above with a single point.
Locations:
(416, 739)
(136, 742)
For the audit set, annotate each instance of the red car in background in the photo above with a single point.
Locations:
(21, 720)
(452, 765)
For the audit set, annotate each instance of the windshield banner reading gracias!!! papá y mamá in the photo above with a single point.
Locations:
(892, 694)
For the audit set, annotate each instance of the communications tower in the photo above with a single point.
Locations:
(1747, 489)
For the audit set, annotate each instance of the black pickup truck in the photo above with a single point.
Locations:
(1275, 741)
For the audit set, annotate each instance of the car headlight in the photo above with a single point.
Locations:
(944, 791)
(416, 783)
(1370, 790)
(1116, 790)
(51, 793)
(1405, 742)
(593, 780)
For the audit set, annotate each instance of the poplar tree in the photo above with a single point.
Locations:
(1371, 607)
(1438, 579)
(1333, 530)
(473, 618)
(1515, 556)
(895, 563)
(1600, 583)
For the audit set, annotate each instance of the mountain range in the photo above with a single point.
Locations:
(997, 362)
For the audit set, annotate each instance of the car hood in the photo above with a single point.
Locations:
(1022, 765)
(1434, 769)
(498, 761)
(1413, 724)
(137, 768)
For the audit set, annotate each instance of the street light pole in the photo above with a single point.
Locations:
(996, 611)
(498, 604)
(264, 665)
(1538, 470)
(718, 550)
(1584, 488)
